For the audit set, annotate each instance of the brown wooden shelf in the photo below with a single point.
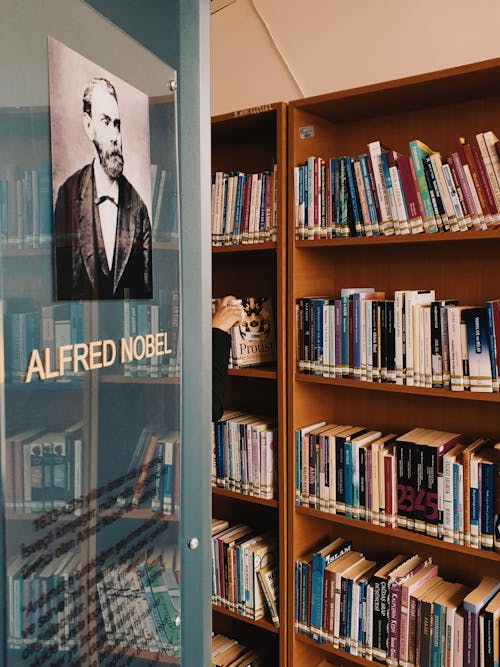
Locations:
(244, 247)
(264, 372)
(261, 623)
(400, 534)
(154, 658)
(128, 379)
(342, 655)
(400, 388)
(406, 239)
(242, 497)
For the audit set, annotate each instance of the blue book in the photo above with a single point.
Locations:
(370, 200)
(238, 207)
(489, 463)
(329, 553)
(494, 347)
(346, 296)
(479, 358)
(44, 203)
(353, 197)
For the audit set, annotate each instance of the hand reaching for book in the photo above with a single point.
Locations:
(229, 313)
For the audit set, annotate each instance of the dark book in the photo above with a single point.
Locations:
(380, 583)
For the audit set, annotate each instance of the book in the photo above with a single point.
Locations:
(125, 496)
(472, 605)
(253, 341)
(491, 644)
(268, 580)
(478, 350)
(380, 584)
(321, 558)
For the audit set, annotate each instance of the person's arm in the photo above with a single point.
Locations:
(225, 317)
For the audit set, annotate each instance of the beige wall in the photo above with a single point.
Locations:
(270, 50)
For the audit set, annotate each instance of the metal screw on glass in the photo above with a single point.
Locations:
(177, 621)
(193, 543)
(172, 84)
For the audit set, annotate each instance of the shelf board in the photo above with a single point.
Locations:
(142, 514)
(265, 372)
(400, 388)
(154, 658)
(261, 623)
(406, 239)
(242, 497)
(130, 379)
(342, 655)
(400, 534)
(244, 247)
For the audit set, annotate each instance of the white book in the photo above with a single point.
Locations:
(460, 222)
(386, 223)
(413, 298)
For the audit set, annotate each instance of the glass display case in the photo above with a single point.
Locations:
(97, 434)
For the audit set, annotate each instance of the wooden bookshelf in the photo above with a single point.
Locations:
(432, 108)
(254, 141)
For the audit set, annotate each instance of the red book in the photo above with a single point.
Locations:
(467, 158)
(485, 182)
(408, 185)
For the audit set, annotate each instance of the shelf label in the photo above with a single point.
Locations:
(306, 132)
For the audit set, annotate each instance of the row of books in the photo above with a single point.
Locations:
(228, 652)
(244, 575)
(51, 327)
(243, 207)
(164, 204)
(253, 341)
(140, 604)
(244, 454)
(45, 329)
(411, 339)
(43, 600)
(25, 206)
(140, 318)
(383, 192)
(153, 476)
(424, 480)
(44, 470)
(400, 612)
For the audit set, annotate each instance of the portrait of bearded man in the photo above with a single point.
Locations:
(102, 227)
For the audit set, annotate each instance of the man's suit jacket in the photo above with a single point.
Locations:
(81, 266)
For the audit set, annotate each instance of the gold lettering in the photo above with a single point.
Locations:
(35, 366)
(137, 340)
(108, 352)
(62, 358)
(95, 352)
(46, 363)
(80, 356)
(125, 350)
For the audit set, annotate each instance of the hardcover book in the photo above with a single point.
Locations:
(254, 340)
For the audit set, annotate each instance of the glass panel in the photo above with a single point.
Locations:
(90, 391)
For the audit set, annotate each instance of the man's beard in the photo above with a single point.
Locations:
(111, 161)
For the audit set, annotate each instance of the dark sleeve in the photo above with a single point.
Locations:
(221, 346)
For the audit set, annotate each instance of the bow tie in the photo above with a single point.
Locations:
(99, 200)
